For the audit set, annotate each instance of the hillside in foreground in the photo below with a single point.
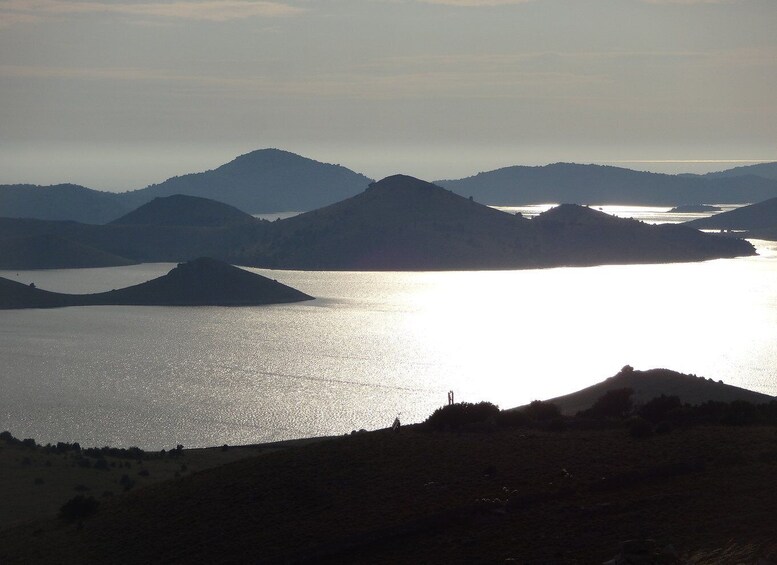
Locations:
(646, 385)
(202, 282)
(531, 491)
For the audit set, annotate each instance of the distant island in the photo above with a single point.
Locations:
(398, 224)
(202, 282)
(402, 223)
(694, 208)
(273, 180)
(598, 184)
(263, 181)
(756, 220)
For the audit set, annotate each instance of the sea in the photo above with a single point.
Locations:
(372, 347)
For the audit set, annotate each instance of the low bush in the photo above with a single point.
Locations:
(513, 419)
(660, 408)
(539, 411)
(614, 404)
(458, 416)
(78, 508)
(640, 427)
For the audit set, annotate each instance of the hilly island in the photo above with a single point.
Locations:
(272, 180)
(202, 282)
(399, 223)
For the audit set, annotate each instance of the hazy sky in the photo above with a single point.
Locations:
(119, 94)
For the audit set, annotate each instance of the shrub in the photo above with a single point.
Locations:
(741, 413)
(540, 411)
(659, 408)
(664, 427)
(513, 419)
(456, 416)
(78, 508)
(640, 427)
(126, 482)
(612, 404)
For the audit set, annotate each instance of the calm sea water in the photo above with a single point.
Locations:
(370, 347)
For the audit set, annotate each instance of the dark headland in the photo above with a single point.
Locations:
(757, 220)
(202, 282)
(678, 483)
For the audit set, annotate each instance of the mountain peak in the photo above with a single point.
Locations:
(265, 157)
(395, 182)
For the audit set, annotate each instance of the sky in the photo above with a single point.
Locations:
(115, 95)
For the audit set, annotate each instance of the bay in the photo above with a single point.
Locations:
(371, 347)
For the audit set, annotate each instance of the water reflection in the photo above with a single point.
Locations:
(371, 346)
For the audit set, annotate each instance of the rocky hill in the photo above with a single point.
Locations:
(202, 282)
(647, 385)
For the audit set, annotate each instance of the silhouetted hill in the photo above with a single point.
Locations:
(202, 282)
(60, 202)
(764, 170)
(48, 251)
(399, 223)
(647, 385)
(263, 181)
(578, 235)
(762, 215)
(182, 210)
(402, 223)
(154, 241)
(596, 184)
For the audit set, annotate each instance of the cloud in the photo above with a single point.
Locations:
(27, 11)
(689, 2)
(476, 3)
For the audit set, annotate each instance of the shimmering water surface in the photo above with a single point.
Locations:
(371, 346)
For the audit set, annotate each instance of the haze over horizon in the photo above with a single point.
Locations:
(118, 95)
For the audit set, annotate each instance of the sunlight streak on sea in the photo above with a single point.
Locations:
(370, 347)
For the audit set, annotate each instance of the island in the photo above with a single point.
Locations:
(397, 224)
(694, 209)
(202, 282)
(757, 220)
